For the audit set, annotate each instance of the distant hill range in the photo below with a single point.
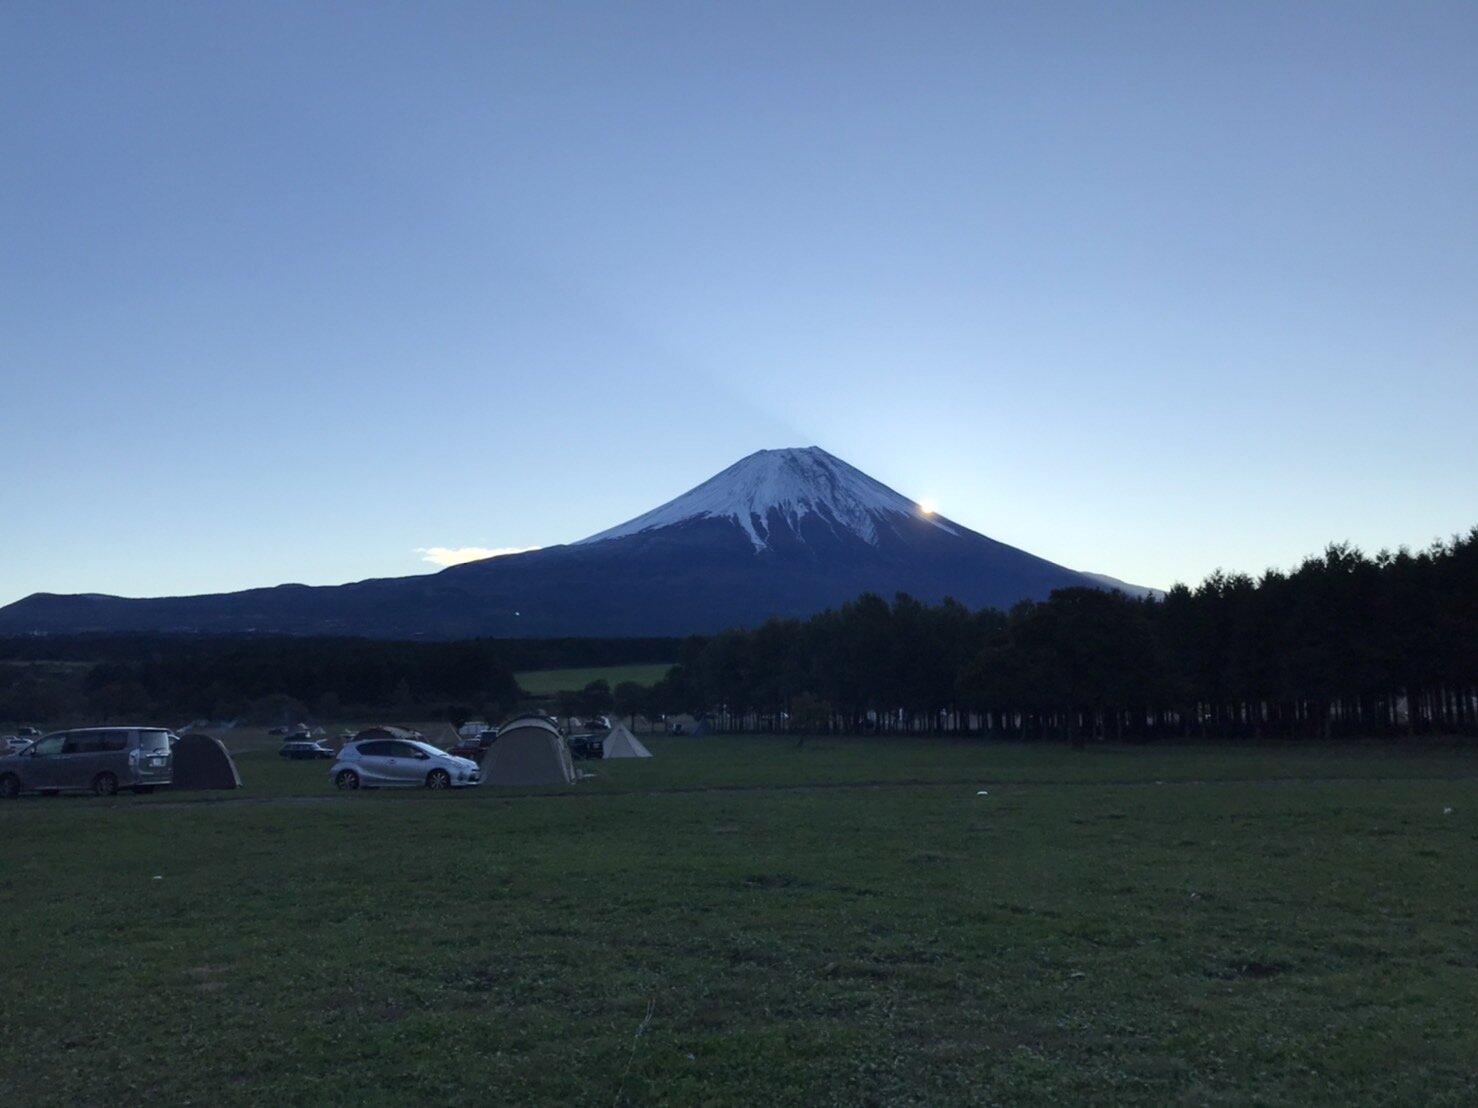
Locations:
(779, 533)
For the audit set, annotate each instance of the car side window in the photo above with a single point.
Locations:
(113, 741)
(52, 744)
(375, 749)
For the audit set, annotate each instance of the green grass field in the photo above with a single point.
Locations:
(547, 682)
(742, 921)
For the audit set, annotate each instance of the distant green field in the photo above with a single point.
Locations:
(744, 920)
(547, 682)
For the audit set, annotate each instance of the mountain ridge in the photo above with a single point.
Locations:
(781, 533)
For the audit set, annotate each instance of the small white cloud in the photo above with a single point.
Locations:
(449, 556)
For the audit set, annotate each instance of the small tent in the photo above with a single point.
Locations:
(621, 743)
(202, 762)
(528, 751)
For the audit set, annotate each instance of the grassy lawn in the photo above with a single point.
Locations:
(742, 921)
(547, 682)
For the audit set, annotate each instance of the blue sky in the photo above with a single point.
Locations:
(299, 291)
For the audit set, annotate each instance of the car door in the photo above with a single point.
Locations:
(79, 761)
(374, 762)
(41, 767)
(406, 763)
(153, 760)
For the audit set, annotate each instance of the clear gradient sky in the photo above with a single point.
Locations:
(299, 291)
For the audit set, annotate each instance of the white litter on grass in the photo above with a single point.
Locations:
(1447, 811)
(983, 792)
(159, 877)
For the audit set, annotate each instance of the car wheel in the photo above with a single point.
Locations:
(10, 787)
(346, 779)
(105, 784)
(438, 779)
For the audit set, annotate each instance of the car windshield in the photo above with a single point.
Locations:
(154, 742)
(427, 748)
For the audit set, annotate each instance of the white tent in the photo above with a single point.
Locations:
(621, 743)
(528, 751)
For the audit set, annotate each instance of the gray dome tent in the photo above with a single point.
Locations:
(529, 750)
(201, 762)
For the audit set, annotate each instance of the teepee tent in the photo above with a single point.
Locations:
(528, 751)
(621, 743)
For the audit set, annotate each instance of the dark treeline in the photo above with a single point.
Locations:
(276, 679)
(1344, 645)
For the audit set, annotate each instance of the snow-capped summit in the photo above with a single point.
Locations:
(783, 487)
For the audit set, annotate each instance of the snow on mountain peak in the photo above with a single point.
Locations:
(793, 484)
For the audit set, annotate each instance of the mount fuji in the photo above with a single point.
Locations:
(780, 533)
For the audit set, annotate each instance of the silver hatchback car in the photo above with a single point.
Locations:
(401, 762)
(100, 760)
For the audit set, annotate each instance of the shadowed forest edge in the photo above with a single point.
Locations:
(1346, 644)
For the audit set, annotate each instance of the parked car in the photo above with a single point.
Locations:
(101, 760)
(304, 748)
(404, 763)
(475, 746)
(17, 742)
(588, 746)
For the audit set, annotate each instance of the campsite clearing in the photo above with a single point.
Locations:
(740, 920)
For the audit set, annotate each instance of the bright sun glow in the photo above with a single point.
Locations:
(927, 506)
(456, 556)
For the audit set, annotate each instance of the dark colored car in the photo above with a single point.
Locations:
(474, 746)
(588, 746)
(304, 748)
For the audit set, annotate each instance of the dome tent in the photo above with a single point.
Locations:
(529, 750)
(202, 762)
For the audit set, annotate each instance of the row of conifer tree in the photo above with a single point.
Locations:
(1346, 644)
